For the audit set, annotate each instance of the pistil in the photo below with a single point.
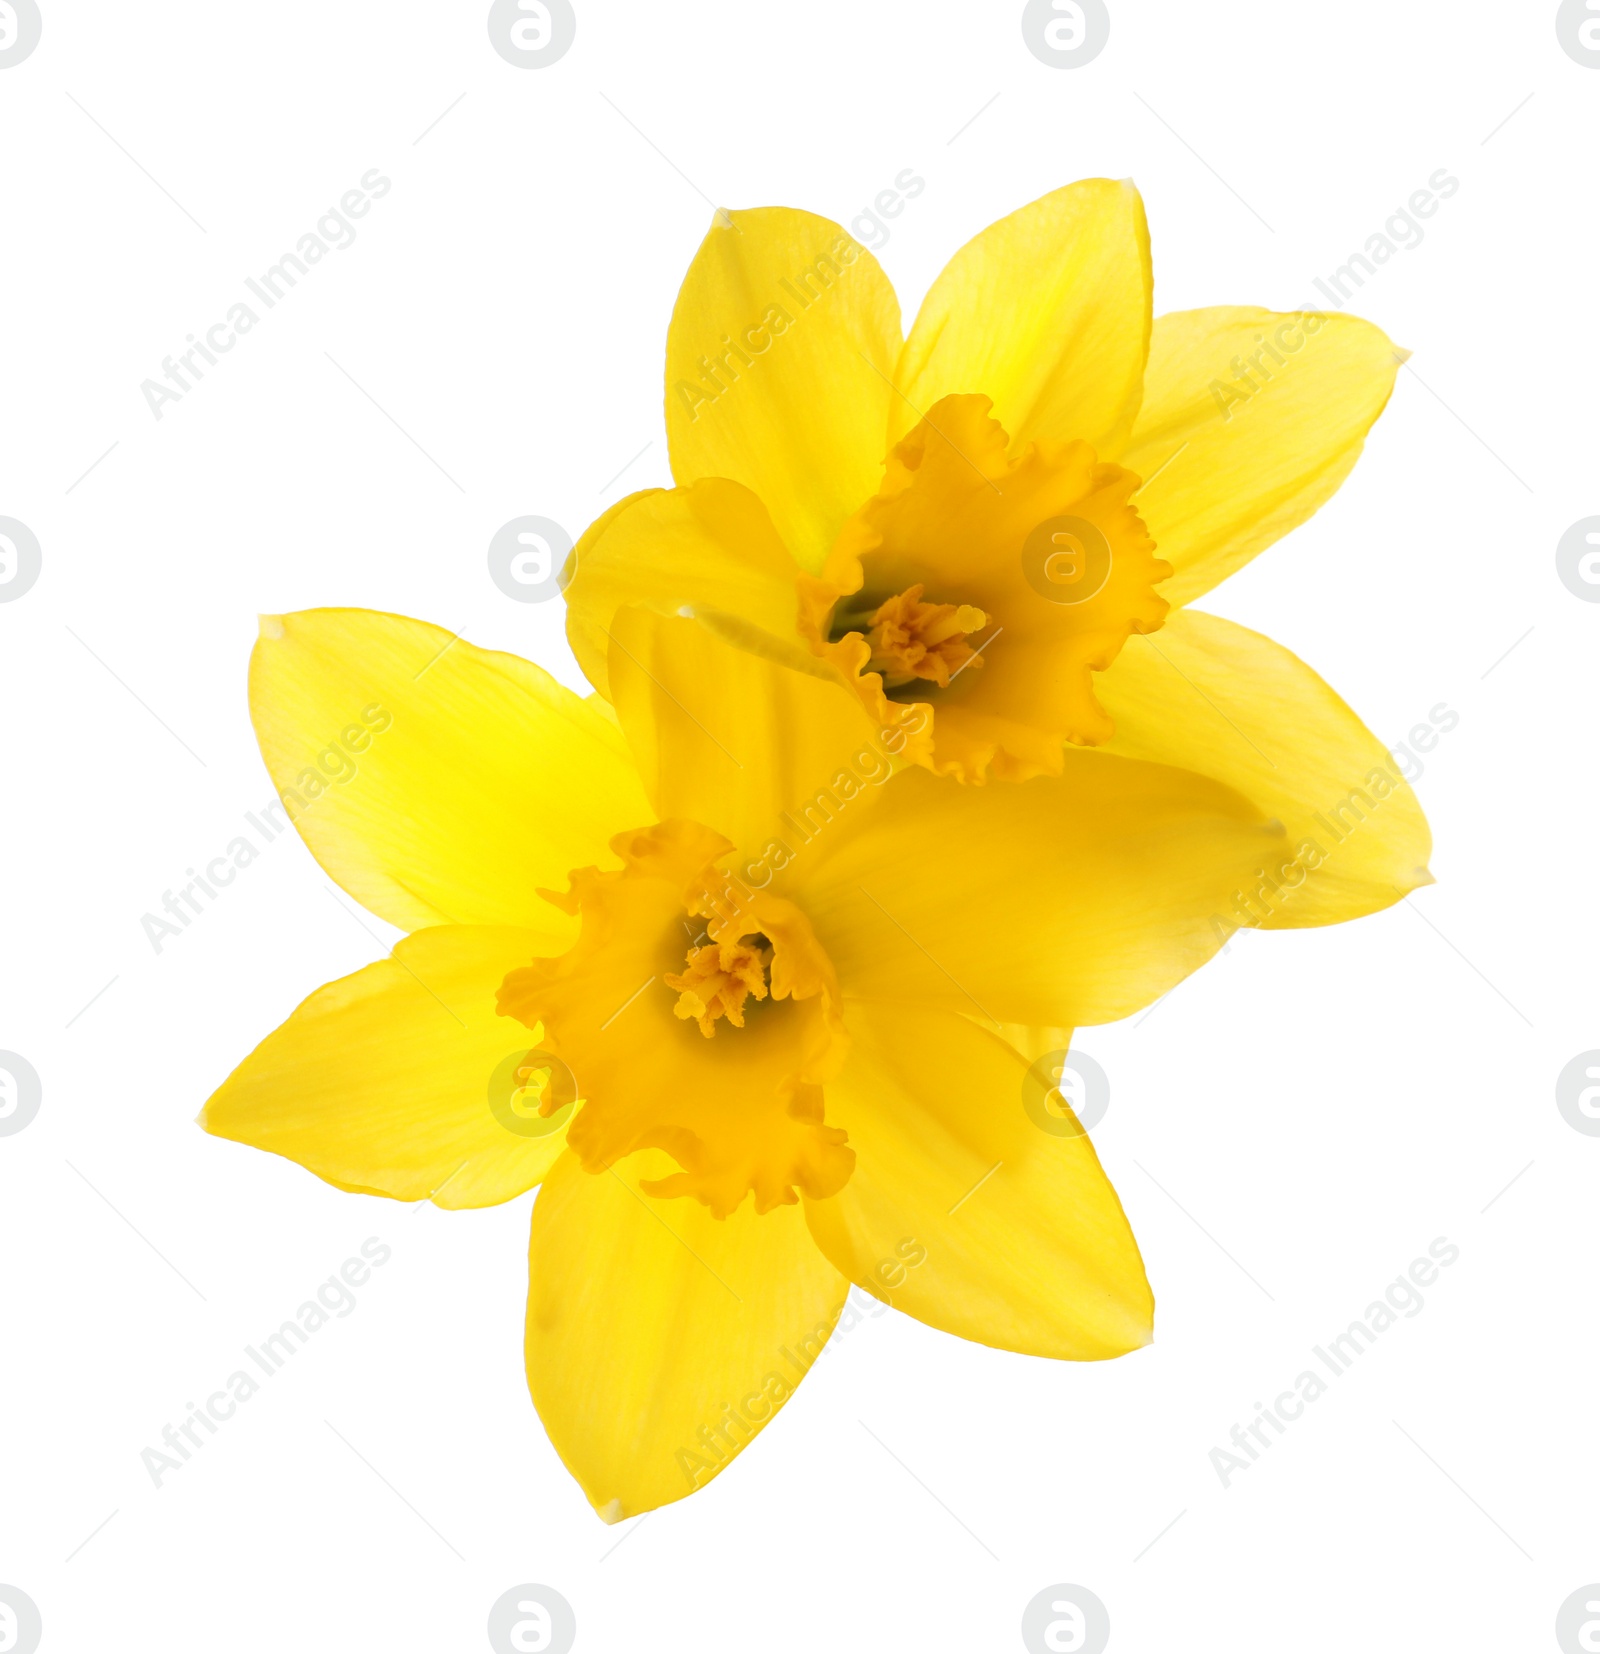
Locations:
(718, 978)
(910, 639)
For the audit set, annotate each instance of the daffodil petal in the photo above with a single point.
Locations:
(1210, 696)
(733, 740)
(438, 783)
(780, 361)
(965, 1212)
(1058, 901)
(387, 1081)
(709, 549)
(660, 1340)
(1233, 468)
(1047, 312)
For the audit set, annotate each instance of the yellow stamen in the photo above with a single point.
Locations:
(912, 639)
(718, 980)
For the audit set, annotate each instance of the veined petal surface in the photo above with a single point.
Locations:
(661, 1340)
(1232, 468)
(1228, 703)
(963, 1211)
(437, 782)
(1061, 901)
(780, 368)
(384, 1081)
(1047, 313)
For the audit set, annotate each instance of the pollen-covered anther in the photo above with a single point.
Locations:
(912, 639)
(719, 977)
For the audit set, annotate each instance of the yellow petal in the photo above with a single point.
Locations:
(1058, 901)
(438, 783)
(965, 1213)
(399, 1079)
(1047, 313)
(780, 360)
(661, 1339)
(731, 739)
(1240, 467)
(1233, 705)
(709, 549)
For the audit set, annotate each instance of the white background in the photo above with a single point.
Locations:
(1288, 1130)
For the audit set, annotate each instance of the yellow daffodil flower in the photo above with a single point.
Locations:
(1003, 516)
(753, 1051)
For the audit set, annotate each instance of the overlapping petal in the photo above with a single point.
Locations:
(661, 1340)
(1062, 901)
(709, 549)
(730, 738)
(437, 782)
(384, 1082)
(965, 1213)
(1235, 706)
(1065, 900)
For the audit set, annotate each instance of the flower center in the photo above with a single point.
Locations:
(1045, 551)
(910, 639)
(719, 977)
(741, 1115)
